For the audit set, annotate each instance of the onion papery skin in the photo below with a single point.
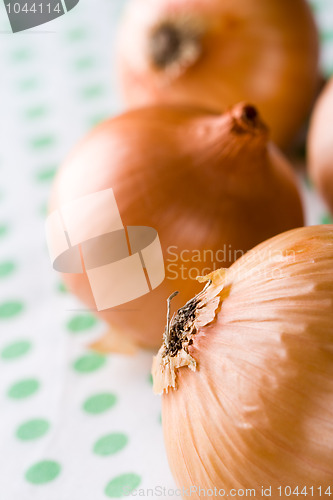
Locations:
(258, 410)
(202, 180)
(320, 145)
(243, 50)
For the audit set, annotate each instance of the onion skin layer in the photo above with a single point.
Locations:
(202, 180)
(320, 145)
(259, 408)
(265, 52)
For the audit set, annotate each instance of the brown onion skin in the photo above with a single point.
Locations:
(320, 145)
(265, 52)
(259, 408)
(202, 180)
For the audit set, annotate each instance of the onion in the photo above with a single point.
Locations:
(215, 53)
(204, 181)
(256, 408)
(320, 144)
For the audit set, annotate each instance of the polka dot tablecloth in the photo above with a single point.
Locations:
(74, 425)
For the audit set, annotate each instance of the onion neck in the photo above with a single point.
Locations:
(246, 119)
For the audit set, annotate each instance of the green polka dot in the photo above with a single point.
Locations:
(10, 309)
(326, 36)
(84, 63)
(81, 322)
(110, 444)
(150, 379)
(21, 55)
(96, 120)
(6, 268)
(3, 230)
(122, 485)
(27, 84)
(43, 472)
(35, 112)
(16, 350)
(42, 142)
(46, 175)
(89, 363)
(61, 287)
(43, 209)
(328, 71)
(315, 6)
(99, 403)
(92, 91)
(23, 389)
(327, 219)
(33, 429)
(76, 34)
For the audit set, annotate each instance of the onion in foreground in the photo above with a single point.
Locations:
(256, 406)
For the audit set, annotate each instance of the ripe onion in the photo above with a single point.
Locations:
(202, 180)
(320, 144)
(215, 53)
(256, 408)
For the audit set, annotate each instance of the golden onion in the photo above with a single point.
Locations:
(202, 180)
(255, 409)
(215, 53)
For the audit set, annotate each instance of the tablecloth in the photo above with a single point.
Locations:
(74, 425)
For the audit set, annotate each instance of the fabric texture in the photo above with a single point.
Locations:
(74, 425)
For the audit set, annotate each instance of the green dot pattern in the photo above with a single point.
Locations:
(76, 423)
(23, 389)
(27, 84)
(84, 63)
(43, 210)
(327, 219)
(21, 55)
(99, 403)
(42, 142)
(43, 472)
(80, 323)
(47, 174)
(89, 363)
(110, 444)
(16, 350)
(122, 486)
(61, 287)
(92, 91)
(32, 429)
(3, 230)
(10, 309)
(35, 112)
(7, 267)
(77, 34)
(96, 120)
